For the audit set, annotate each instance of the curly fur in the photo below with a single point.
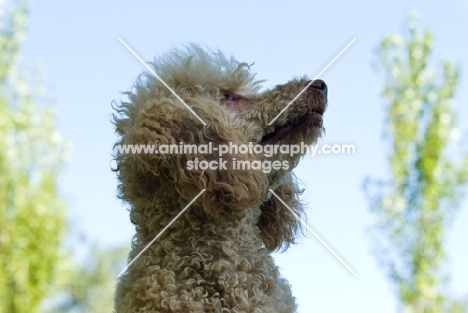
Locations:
(216, 256)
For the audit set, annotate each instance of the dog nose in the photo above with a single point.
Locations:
(320, 85)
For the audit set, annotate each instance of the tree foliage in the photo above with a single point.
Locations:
(413, 208)
(31, 155)
(88, 286)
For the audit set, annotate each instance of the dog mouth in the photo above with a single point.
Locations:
(311, 119)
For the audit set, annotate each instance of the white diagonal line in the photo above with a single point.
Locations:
(162, 231)
(315, 78)
(313, 233)
(164, 83)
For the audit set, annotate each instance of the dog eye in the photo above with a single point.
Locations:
(228, 97)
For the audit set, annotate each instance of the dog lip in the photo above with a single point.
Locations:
(312, 119)
(320, 109)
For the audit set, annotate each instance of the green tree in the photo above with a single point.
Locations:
(31, 154)
(414, 208)
(88, 286)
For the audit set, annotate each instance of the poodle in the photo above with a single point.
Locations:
(216, 256)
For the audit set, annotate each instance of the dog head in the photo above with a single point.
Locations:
(195, 86)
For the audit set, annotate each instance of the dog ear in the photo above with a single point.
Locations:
(278, 225)
(227, 191)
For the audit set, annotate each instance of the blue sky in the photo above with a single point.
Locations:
(86, 67)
